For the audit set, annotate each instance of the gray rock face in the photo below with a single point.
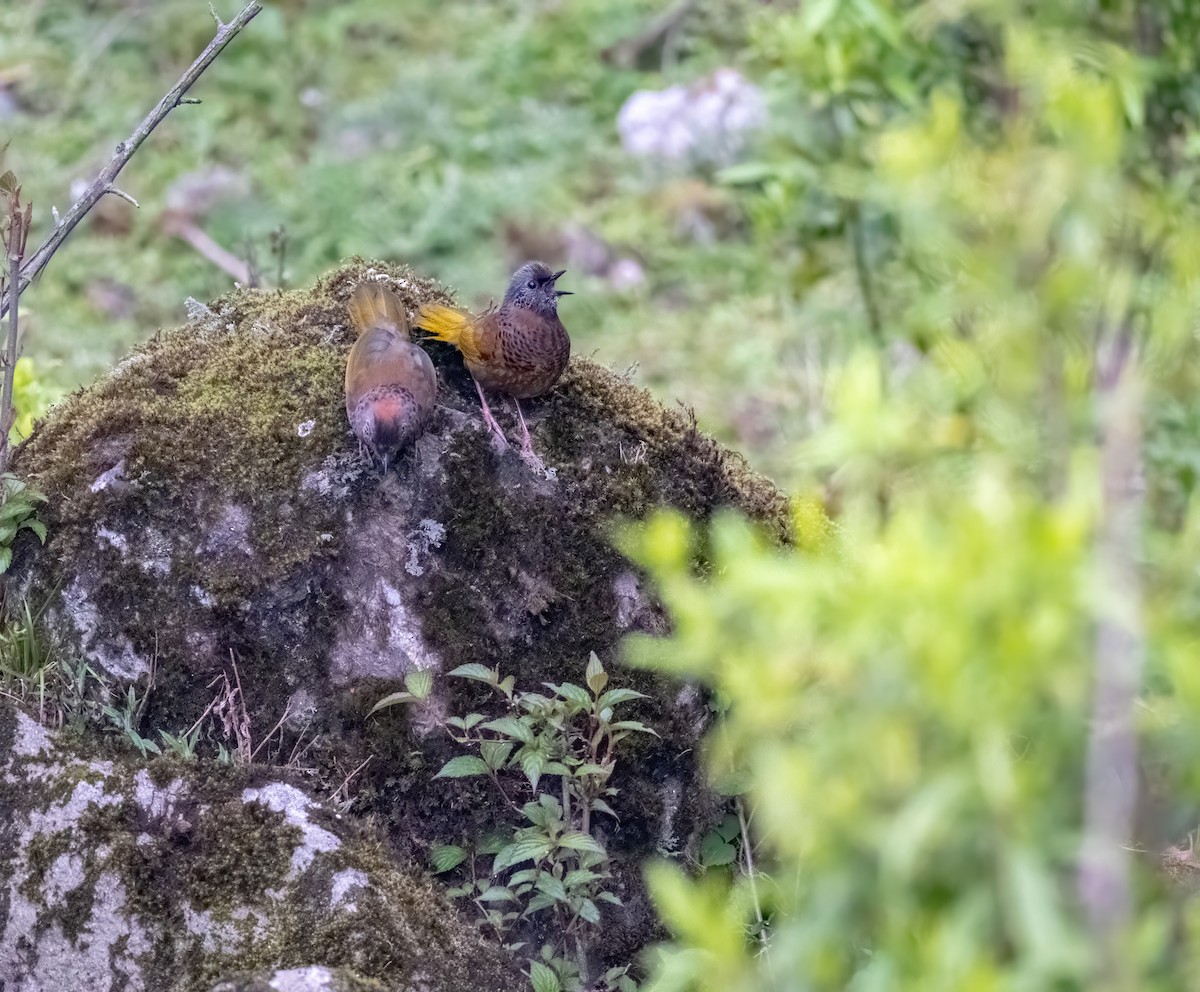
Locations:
(219, 549)
(119, 876)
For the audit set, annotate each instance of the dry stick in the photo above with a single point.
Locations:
(10, 350)
(103, 183)
(1111, 796)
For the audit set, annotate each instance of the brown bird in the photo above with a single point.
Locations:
(518, 349)
(390, 382)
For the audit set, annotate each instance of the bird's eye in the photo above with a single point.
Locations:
(531, 284)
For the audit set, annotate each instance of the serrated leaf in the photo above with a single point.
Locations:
(595, 675)
(37, 527)
(590, 769)
(589, 911)
(556, 768)
(600, 806)
(391, 699)
(496, 893)
(522, 876)
(640, 728)
(493, 844)
(520, 851)
(419, 682)
(538, 902)
(472, 719)
(532, 765)
(574, 693)
(614, 697)
(495, 753)
(5, 559)
(445, 857)
(610, 897)
(537, 814)
(729, 827)
(480, 673)
(463, 766)
(577, 840)
(506, 685)
(714, 851)
(543, 978)
(551, 886)
(511, 726)
(579, 876)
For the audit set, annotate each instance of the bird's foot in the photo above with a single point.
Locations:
(530, 458)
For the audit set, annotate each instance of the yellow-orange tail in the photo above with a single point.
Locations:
(449, 324)
(374, 305)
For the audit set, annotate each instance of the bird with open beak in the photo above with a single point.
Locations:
(517, 349)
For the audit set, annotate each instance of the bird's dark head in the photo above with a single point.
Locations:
(532, 288)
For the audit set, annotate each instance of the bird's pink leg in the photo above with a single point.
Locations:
(487, 414)
(527, 451)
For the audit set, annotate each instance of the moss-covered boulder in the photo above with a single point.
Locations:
(218, 542)
(117, 875)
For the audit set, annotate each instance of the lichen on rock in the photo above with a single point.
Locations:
(209, 508)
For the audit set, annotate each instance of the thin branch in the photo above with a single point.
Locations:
(122, 194)
(103, 183)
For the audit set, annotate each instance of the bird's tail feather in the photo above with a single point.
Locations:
(449, 324)
(374, 305)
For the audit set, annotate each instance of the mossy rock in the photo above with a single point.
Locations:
(165, 878)
(210, 516)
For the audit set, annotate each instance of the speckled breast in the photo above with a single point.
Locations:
(532, 354)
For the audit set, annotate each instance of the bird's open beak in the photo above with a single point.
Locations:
(560, 292)
(558, 275)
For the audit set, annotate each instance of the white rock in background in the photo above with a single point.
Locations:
(708, 121)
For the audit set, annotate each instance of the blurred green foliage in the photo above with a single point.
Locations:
(908, 691)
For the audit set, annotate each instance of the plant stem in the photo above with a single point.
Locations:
(1110, 799)
(7, 416)
(103, 183)
(748, 855)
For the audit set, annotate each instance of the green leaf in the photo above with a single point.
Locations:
(496, 893)
(543, 979)
(578, 877)
(614, 697)
(524, 875)
(552, 887)
(574, 693)
(589, 911)
(419, 682)
(392, 699)
(464, 766)
(593, 770)
(714, 851)
(640, 728)
(595, 675)
(532, 765)
(600, 806)
(495, 753)
(480, 673)
(729, 827)
(556, 768)
(538, 902)
(37, 527)
(445, 857)
(511, 726)
(576, 840)
(520, 851)
(610, 897)
(5, 559)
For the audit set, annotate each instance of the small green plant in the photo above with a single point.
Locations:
(17, 514)
(127, 719)
(184, 745)
(552, 862)
(26, 662)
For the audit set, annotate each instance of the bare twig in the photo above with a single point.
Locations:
(1104, 884)
(187, 230)
(103, 183)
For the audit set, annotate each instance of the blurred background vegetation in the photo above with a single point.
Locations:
(462, 137)
(944, 291)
